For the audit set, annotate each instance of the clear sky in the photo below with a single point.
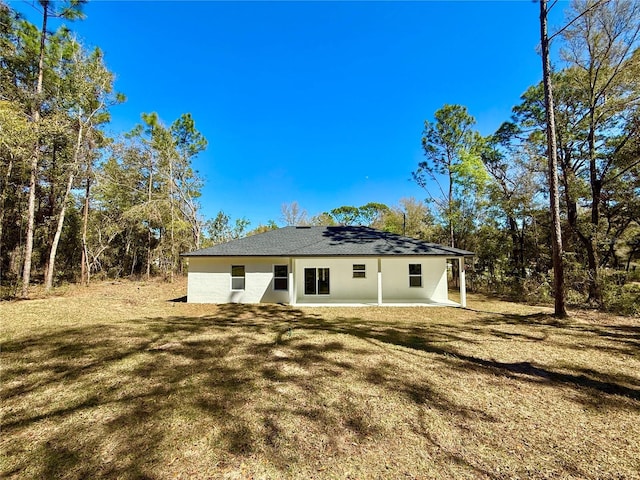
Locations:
(322, 103)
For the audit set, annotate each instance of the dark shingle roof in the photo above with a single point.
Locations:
(325, 242)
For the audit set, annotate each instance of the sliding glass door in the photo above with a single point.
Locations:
(316, 281)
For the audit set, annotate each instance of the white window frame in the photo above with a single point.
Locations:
(236, 278)
(415, 275)
(317, 280)
(359, 272)
(285, 278)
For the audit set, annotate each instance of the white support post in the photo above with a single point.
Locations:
(292, 282)
(463, 286)
(379, 281)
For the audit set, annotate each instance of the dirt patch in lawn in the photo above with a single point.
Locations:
(118, 381)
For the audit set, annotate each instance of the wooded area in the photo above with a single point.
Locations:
(76, 204)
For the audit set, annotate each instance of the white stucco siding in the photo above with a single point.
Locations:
(342, 286)
(209, 280)
(395, 279)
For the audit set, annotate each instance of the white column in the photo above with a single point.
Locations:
(463, 286)
(292, 282)
(379, 281)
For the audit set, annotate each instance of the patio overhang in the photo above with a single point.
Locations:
(373, 303)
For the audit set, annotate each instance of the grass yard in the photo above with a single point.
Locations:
(116, 381)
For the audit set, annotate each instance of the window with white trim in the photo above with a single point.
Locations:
(316, 281)
(280, 277)
(415, 275)
(359, 270)
(237, 277)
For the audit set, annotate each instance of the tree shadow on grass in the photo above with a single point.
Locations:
(104, 401)
(617, 339)
(590, 380)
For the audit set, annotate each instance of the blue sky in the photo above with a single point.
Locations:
(322, 103)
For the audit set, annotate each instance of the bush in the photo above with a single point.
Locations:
(620, 297)
(621, 294)
(537, 288)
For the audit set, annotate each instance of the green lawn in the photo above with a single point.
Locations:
(116, 381)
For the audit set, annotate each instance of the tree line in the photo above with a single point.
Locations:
(75, 203)
(492, 194)
(550, 202)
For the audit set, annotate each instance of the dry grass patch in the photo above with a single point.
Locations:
(116, 381)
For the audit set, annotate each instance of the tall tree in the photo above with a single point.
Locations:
(453, 164)
(367, 215)
(261, 228)
(220, 229)
(371, 213)
(323, 219)
(118, 233)
(69, 10)
(87, 93)
(186, 184)
(554, 198)
(410, 217)
(16, 139)
(293, 214)
(601, 50)
(345, 215)
(149, 189)
(515, 178)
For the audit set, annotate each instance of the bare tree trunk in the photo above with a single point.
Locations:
(84, 269)
(31, 210)
(63, 209)
(587, 239)
(31, 213)
(48, 284)
(451, 234)
(196, 234)
(632, 253)
(133, 263)
(554, 197)
(517, 246)
(595, 292)
(172, 262)
(3, 199)
(149, 226)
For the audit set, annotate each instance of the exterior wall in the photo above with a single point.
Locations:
(342, 286)
(209, 280)
(395, 279)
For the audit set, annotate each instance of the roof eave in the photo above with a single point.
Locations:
(328, 255)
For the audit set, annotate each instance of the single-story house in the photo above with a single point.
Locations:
(324, 266)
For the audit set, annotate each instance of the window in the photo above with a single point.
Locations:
(323, 281)
(316, 281)
(237, 277)
(359, 270)
(415, 275)
(280, 277)
(310, 281)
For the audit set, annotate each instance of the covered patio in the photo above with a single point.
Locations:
(378, 298)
